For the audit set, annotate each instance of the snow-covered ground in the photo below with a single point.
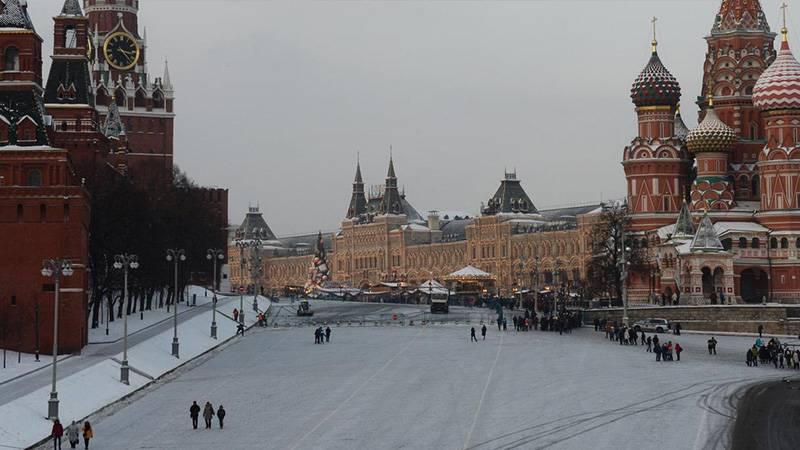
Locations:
(148, 318)
(28, 363)
(22, 421)
(430, 387)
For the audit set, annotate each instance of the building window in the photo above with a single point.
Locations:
(784, 243)
(34, 177)
(755, 184)
(756, 243)
(70, 38)
(773, 243)
(11, 59)
(13, 300)
(66, 212)
(742, 242)
(19, 213)
(42, 212)
(726, 244)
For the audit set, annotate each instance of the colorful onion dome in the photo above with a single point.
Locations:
(778, 87)
(655, 86)
(712, 135)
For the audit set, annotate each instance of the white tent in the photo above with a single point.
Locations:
(470, 272)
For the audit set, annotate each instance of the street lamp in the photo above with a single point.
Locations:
(214, 255)
(55, 268)
(125, 262)
(175, 255)
(535, 283)
(255, 270)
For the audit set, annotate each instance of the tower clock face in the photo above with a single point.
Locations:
(121, 51)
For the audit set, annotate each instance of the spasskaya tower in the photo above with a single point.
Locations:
(118, 62)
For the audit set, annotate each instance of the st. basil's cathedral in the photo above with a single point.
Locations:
(733, 182)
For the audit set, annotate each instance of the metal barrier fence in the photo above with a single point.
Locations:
(286, 317)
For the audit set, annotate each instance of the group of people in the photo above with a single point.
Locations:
(208, 414)
(773, 352)
(666, 351)
(562, 322)
(473, 338)
(322, 336)
(73, 432)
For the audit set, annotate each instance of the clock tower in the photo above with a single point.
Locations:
(120, 74)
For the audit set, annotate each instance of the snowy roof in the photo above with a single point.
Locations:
(470, 272)
(14, 15)
(415, 227)
(684, 226)
(71, 8)
(706, 239)
(430, 284)
(748, 227)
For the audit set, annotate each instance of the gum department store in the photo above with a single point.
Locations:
(717, 207)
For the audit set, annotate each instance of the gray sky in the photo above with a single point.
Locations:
(274, 99)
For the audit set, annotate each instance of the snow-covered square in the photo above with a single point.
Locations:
(430, 387)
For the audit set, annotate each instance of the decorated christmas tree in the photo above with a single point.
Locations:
(319, 272)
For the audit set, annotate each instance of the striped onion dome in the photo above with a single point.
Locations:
(712, 135)
(779, 86)
(655, 86)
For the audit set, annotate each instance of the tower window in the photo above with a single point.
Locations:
(784, 243)
(70, 38)
(742, 242)
(11, 59)
(755, 243)
(34, 177)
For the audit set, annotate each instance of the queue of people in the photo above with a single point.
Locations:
(208, 415)
(781, 356)
(73, 432)
(624, 335)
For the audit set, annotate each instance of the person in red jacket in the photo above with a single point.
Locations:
(57, 432)
(678, 350)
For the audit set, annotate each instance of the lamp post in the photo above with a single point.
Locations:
(255, 269)
(175, 255)
(214, 255)
(55, 268)
(125, 262)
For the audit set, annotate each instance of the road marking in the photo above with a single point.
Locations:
(358, 389)
(483, 394)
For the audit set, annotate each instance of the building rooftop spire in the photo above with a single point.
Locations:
(706, 239)
(740, 15)
(14, 15)
(654, 43)
(684, 227)
(358, 178)
(72, 8)
(391, 173)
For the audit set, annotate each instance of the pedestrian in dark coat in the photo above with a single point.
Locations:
(235, 315)
(712, 346)
(483, 331)
(760, 330)
(649, 344)
(57, 432)
(208, 414)
(221, 416)
(657, 351)
(327, 334)
(194, 413)
(505, 324)
(472, 335)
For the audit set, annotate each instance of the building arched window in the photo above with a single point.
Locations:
(34, 177)
(11, 59)
(742, 242)
(70, 37)
(726, 244)
(784, 243)
(797, 243)
(773, 243)
(755, 243)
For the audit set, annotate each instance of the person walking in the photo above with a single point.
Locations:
(505, 324)
(316, 335)
(88, 434)
(73, 434)
(235, 315)
(657, 351)
(472, 335)
(678, 350)
(649, 344)
(194, 413)
(760, 330)
(328, 334)
(644, 338)
(208, 414)
(221, 416)
(712, 346)
(57, 432)
(483, 331)
(240, 329)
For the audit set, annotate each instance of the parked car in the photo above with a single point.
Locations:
(657, 325)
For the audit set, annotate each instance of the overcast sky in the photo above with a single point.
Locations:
(275, 98)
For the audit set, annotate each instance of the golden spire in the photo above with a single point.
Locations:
(654, 43)
(710, 99)
(784, 31)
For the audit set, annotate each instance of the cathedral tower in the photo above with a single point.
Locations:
(391, 203)
(740, 47)
(656, 162)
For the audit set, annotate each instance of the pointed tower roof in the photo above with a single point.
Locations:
(72, 8)
(358, 201)
(510, 197)
(778, 87)
(684, 228)
(392, 202)
(655, 85)
(14, 15)
(390, 173)
(358, 179)
(681, 130)
(706, 239)
(166, 81)
(113, 128)
(740, 15)
(254, 226)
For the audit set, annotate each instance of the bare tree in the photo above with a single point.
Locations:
(605, 271)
